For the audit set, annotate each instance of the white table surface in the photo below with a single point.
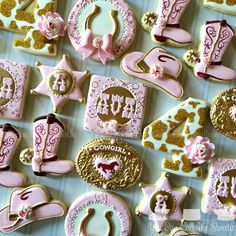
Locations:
(69, 187)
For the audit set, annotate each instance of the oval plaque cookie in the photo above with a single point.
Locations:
(109, 163)
(223, 113)
(98, 213)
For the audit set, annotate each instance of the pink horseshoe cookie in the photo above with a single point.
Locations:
(97, 30)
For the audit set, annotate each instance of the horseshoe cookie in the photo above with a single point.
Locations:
(101, 29)
(100, 212)
(180, 232)
(223, 113)
(109, 163)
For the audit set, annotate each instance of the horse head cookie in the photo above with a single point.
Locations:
(101, 29)
(157, 67)
(207, 63)
(47, 132)
(9, 141)
(224, 6)
(164, 25)
(28, 205)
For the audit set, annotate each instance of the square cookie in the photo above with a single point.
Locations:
(115, 107)
(13, 86)
(219, 192)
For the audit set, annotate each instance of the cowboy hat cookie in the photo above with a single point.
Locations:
(215, 37)
(47, 133)
(101, 29)
(37, 20)
(9, 141)
(223, 113)
(109, 163)
(14, 78)
(98, 213)
(219, 195)
(161, 202)
(164, 25)
(157, 67)
(28, 205)
(224, 6)
(115, 107)
(180, 232)
(178, 133)
(61, 83)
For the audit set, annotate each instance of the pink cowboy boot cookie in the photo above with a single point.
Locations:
(164, 25)
(9, 140)
(207, 63)
(47, 132)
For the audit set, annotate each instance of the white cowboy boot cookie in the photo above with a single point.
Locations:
(9, 140)
(207, 62)
(47, 132)
(164, 25)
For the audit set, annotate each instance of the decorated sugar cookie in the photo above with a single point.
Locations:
(27, 205)
(219, 195)
(14, 78)
(101, 29)
(109, 163)
(157, 68)
(164, 25)
(9, 141)
(61, 83)
(115, 107)
(161, 202)
(98, 213)
(180, 232)
(223, 113)
(225, 6)
(215, 37)
(37, 20)
(178, 132)
(47, 133)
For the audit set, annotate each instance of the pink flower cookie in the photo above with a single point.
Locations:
(164, 25)
(104, 32)
(47, 133)
(200, 150)
(161, 202)
(109, 211)
(28, 205)
(52, 26)
(14, 78)
(115, 107)
(61, 83)
(207, 64)
(9, 141)
(157, 67)
(219, 195)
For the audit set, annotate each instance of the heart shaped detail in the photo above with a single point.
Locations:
(24, 212)
(107, 168)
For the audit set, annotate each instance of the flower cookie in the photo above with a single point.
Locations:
(61, 83)
(27, 205)
(115, 107)
(164, 25)
(98, 213)
(224, 6)
(215, 37)
(161, 202)
(9, 141)
(47, 133)
(14, 78)
(219, 192)
(223, 113)
(101, 29)
(35, 20)
(178, 132)
(109, 163)
(180, 232)
(157, 68)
